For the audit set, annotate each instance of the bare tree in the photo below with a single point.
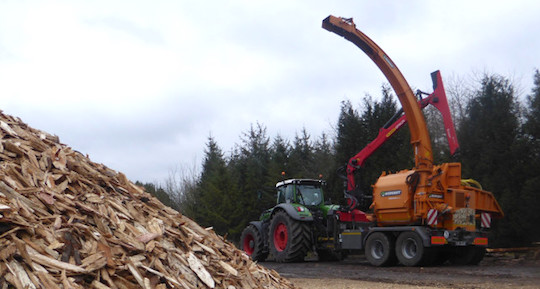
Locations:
(181, 186)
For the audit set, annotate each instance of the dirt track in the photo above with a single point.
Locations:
(355, 272)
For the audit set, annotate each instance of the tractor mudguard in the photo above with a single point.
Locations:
(295, 211)
(258, 225)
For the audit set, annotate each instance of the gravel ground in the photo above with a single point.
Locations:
(495, 271)
(349, 284)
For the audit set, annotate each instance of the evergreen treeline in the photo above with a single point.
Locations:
(499, 147)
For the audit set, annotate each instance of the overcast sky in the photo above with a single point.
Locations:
(140, 85)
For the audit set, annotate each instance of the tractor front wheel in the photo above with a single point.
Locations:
(289, 239)
(252, 243)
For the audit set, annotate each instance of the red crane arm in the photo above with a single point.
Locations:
(437, 98)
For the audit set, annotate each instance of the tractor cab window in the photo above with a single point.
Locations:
(285, 194)
(310, 195)
(289, 193)
(281, 195)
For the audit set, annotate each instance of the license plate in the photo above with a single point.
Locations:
(461, 243)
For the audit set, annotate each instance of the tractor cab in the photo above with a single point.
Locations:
(306, 192)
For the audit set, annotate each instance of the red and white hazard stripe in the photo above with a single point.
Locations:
(485, 220)
(432, 215)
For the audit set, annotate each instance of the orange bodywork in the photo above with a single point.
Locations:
(405, 197)
(400, 199)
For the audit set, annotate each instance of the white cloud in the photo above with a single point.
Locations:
(141, 85)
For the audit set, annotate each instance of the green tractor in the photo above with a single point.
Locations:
(298, 224)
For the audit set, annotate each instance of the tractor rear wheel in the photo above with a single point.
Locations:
(289, 239)
(252, 243)
(379, 250)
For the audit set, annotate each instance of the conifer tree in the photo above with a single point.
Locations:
(530, 194)
(323, 152)
(302, 157)
(488, 133)
(350, 133)
(279, 157)
(250, 167)
(217, 193)
(356, 130)
(490, 150)
(532, 124)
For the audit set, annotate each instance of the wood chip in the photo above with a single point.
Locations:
(59, 209)
(20, 274)
(199, 269)
(50, 262)
(228, 268)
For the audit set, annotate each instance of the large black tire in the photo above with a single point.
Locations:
(289, 240)
(469, 255)
(479, 253)
(432, 257)
(252, 243)
(379, 250)
(410, 250)
(442, 255)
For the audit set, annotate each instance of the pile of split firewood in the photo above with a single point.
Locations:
(66, 222)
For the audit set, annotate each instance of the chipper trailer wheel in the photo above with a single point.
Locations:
(479, 253)
(410, 250)
(468, 255)
(379, 250)
(289, 239)
(252, 243)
